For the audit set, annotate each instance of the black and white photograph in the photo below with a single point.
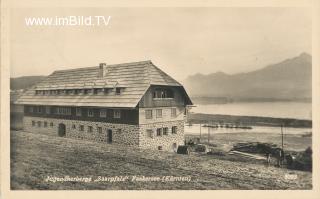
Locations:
(161, 98)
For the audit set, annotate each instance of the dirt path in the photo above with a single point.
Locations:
(34, 157)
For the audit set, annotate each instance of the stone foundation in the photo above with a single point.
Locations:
(121, 133)
(130, 135)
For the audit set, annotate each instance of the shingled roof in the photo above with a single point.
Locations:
(135, 78)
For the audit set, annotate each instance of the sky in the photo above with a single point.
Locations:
(180, 41)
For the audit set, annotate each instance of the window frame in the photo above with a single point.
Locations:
(78, 112)
(173, 112)
(118, 91)
(104, 111)
(99, 129)
(150, 133)
(157, 113)
(116, 113)
(149, 116)
(165, 131)
(159, 132)
(174, 130)
(48, 111)
(90, 111)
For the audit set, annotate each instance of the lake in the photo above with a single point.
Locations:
(195, 130)
(297, 110)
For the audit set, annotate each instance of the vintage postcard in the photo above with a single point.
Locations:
(128, 99)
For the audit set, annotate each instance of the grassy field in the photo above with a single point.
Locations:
(34, 157)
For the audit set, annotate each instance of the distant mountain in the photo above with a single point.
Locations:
(24, 82)
(289, 79)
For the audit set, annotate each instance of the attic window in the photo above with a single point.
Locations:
(106, 90)
(118, 91)
(87, 91)
(95, 91)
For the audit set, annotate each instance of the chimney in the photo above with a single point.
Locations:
(103, 69)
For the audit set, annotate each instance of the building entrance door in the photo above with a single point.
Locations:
(109, 138)
(62, 130)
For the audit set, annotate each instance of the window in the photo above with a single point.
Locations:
(174, 130)
(39, 109)
(33, 123)
(47, 109)
(90, 129)
(116, 113)
(73, 126)
(51, 124)
(99, 129)
(63, 111)
(150, 133)
(39, 124)
(31, 109)
(45, 124)
(118, 91)
(148, 114)
(87, 91)
(173, 112)
(159, 113)
(159, 131)
(78, 111)
(103, 113)
(159, 148)
(90, 113)
(165, 131)
(106, 90)
(95, 91)
(162, 93)
(81, 128)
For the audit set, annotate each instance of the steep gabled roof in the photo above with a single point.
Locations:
(135, 78)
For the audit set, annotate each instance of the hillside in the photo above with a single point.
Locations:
(289, 79)
(35, 157)
(24, 82)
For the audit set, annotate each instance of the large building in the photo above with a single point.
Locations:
(133, 104)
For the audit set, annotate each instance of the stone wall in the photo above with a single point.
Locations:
(165, 141)
(130, 135)
(121, 133)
